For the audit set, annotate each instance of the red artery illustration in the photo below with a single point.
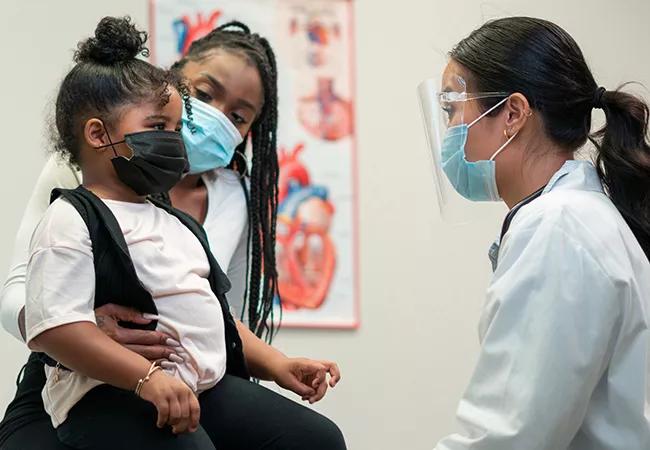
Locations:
(325, 114)
(188, 31)
(305, 252)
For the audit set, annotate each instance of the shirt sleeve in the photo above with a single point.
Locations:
(550, 321)
(237, 276)
(55, 173)
(60, 278)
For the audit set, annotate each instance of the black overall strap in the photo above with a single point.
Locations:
(513, 212)
(112, 226)
(105, 231)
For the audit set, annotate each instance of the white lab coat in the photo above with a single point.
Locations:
(565, 345)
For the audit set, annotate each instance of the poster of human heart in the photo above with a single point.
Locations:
(317, 211)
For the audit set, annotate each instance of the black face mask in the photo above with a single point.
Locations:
(159, 161)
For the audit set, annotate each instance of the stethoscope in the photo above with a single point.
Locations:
(513, 212)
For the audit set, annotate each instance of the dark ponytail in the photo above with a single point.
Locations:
(623, 160)
(542, 61)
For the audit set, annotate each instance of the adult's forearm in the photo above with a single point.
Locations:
(55, 173)
(12, 307)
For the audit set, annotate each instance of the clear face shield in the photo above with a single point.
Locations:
(463, 187)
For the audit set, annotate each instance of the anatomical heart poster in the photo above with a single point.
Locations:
(317, 210)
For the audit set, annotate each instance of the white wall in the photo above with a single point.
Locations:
(422, 281)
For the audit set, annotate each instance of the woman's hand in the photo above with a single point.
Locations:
(305, 377)
(176, 403)
(153, 345)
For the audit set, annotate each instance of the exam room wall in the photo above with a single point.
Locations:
(421, 281)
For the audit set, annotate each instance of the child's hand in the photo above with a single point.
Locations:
(176, 403)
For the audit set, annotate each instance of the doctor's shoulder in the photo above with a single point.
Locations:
(587, 220)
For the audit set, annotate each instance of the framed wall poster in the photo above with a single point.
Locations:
(317, 248)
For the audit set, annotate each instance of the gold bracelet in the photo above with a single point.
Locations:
(154, 367)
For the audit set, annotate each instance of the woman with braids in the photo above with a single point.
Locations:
(234, 71)
(233, 97)
(565, 338)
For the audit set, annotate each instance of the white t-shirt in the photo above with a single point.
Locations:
(169, 261)
(226, 225)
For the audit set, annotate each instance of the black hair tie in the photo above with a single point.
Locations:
(597, 101)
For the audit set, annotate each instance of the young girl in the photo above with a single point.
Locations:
(119, 118)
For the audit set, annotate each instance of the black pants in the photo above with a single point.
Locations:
(235, 414)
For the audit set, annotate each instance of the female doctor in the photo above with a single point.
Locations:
(565, 357)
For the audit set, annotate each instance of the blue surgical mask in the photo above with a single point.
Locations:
(210, 137)
(475, 181)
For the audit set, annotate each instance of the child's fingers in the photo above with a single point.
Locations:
(184, 402)
(195, 412)
(175, 414)
(184, 423)
(182, 427)
(163, 413)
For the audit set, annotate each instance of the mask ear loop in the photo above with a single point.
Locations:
(111, 143)
(488, 112)
(485, 114)
(504, 145)
(509, 139)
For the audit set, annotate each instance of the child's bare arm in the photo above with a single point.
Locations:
(84, 348)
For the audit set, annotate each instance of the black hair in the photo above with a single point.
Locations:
(262, 277)
(540, 60)
(107, 75)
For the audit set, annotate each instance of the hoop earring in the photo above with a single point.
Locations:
(243, 173)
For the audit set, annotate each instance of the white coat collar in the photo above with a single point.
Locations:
(574, 174)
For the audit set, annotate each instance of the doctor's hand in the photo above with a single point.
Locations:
(153, 345)
(306, 377)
